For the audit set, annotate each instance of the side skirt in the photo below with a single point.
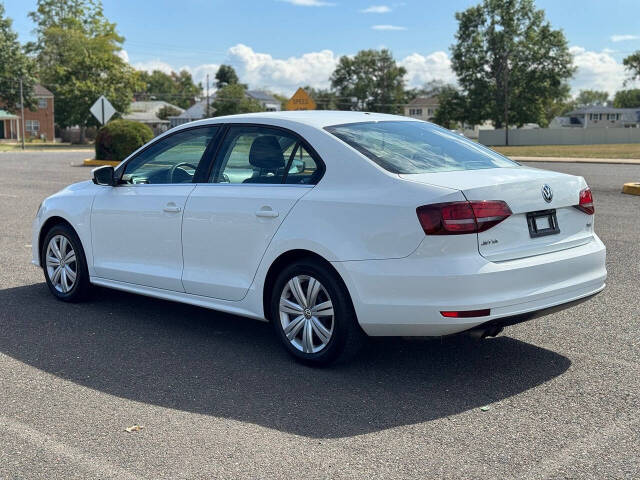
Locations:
(181, 297)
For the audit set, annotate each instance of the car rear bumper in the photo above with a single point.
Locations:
(404, 297)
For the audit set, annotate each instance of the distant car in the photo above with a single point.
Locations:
(330, 225)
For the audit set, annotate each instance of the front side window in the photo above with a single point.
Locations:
(263, 155)
(42, 103)
(173, 159)
(417, 147)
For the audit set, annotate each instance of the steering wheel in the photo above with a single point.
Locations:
(173, 169)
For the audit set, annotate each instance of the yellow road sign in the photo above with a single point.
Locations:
(301, 101)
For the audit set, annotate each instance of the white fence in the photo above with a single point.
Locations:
(560, 136)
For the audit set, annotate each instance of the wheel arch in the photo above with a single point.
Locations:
(285, 259)
(48, 225)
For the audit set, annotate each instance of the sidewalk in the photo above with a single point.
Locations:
(629, 161)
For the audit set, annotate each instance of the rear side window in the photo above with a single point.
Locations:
(263, 155)
(417, 147)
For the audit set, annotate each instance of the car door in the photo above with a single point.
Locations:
(136, 225)
(259, 174)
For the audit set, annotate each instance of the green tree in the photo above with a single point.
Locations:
(371, 80)
(77, 53)
(509, 62)
(325, 99)
(587, 98)
(167, 111)
(14, 64)
(632, 63)
(233, 99)
(451, 108)
(627, 98)
(177, 88)
(226, 75)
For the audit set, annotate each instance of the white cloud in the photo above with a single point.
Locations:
(377, 9)
(309, 3)
(597, 71)
(624, 38)
(123, 55)
(151, 65)
(422, 69)
(387, 27)
(283, 75)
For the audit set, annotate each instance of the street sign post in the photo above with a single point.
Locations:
(102, 110)
(301, 101)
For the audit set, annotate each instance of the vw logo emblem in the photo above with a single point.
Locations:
(547, 193)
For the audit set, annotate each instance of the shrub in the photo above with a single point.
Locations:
(117, 139)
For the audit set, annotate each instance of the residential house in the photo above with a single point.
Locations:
(599, 117)
(38, 123)
(268, 102)
(147, 112)
(422, 108)
(197, 111)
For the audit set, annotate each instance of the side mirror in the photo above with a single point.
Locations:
(104, 176)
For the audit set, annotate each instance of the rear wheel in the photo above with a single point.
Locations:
(64, 264)
(312, 314)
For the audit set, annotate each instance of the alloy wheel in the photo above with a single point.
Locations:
(62, 267)
(306, 314)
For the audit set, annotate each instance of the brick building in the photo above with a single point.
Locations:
(38, 123)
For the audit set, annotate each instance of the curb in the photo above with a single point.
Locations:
(631, 188)
(92, 162)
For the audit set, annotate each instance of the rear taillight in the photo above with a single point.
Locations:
(455, 218)
(585, 203)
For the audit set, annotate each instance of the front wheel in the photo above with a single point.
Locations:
(64, 264)
(312, 314)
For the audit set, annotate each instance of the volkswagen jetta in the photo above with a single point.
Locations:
(330, 225)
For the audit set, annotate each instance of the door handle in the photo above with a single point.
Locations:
(267, 212)
(171, 208)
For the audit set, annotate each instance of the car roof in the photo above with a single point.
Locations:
(314, 118)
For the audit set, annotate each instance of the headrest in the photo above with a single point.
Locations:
(266, 153)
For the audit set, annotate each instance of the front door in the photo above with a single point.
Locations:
(258, 176)
(136, 226)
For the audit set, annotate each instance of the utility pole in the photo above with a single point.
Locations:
(207, 113)
(22, 112)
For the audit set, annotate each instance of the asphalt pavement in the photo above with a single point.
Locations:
(557, 397)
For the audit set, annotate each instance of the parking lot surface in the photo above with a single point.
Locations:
(557, 397)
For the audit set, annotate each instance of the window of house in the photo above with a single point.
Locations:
(32, 126)
(42, 103)
(430, 111)
(415, 111)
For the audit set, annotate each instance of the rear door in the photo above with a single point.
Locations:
(259, 174)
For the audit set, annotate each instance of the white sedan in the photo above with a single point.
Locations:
(330, 225)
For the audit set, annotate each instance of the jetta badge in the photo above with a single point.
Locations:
(547, 193)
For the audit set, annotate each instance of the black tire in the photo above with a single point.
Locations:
(347, 337)
(80, 289)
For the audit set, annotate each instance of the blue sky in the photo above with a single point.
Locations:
(281, 44)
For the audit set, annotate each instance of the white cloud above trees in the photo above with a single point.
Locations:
(595, 70)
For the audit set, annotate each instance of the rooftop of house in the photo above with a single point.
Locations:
(261, 96)
(601, 109)
(431, 101)
(40, 91)
(147, 111)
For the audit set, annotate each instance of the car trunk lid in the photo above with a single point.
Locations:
(521, 188)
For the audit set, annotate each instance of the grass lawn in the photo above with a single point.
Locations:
(16, 147)
(622, 150)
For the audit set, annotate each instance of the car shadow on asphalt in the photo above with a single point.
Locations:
(201, 361)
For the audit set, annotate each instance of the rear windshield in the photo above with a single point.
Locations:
(417, 147)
